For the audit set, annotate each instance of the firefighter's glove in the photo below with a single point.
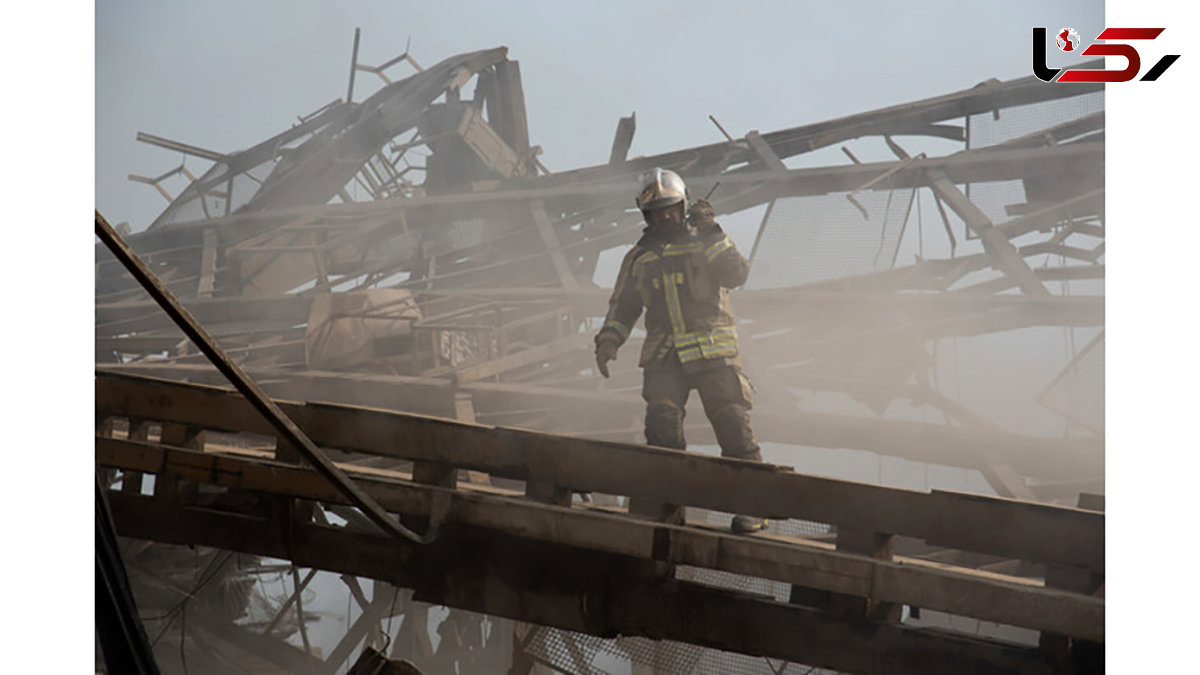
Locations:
(606, 350)
(701, 217)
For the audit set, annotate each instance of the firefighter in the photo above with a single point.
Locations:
(680, 272)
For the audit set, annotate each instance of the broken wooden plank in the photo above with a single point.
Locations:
(208, 265)
(626, 126)
(764, 152)
(506, 106)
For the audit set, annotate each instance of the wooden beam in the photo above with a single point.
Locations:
(1044, 458)
(1035, 532)
(997, 246)
(1084, 204)
(294, 598)
(176, 146)
(577, 193)
(759, 627)
(764, 152)
(864, 573)
(422, 395)
(146, 315)
(892, 119)
(1071, 489)
(553, 247)
(520, 358)
(488, 145)
(472, 570)
(622, 140)
(875, 545)
(358, 630)
(208, 265)
(508, 115)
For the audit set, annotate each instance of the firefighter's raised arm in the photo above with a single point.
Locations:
(725, 263)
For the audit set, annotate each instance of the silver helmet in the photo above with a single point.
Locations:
(661, 187)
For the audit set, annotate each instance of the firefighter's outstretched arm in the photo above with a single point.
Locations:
(624, 308)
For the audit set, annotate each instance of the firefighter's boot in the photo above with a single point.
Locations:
(736, 438)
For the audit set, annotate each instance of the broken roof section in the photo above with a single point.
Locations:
(312, 162)
(346, 144)
(415, 236)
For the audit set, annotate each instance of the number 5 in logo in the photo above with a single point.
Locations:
(1087, 75)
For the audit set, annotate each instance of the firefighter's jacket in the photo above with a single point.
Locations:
(682, 282)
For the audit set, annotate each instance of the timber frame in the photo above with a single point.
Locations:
(499, 549)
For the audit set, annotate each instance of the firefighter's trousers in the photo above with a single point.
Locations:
(725, 393)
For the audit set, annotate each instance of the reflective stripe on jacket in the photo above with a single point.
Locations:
(682, 283)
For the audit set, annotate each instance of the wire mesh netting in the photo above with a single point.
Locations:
(807, 239)
(992, 128)
(199, 204)
(1007, 124)
(1077, 392)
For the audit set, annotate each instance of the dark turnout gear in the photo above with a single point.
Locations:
(681, 276)
(727, 398)
(664, 425)
(682, 282)
(734, 433)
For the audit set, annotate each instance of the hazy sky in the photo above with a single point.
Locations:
(224, 75)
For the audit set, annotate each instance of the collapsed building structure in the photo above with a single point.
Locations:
(419, 294)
